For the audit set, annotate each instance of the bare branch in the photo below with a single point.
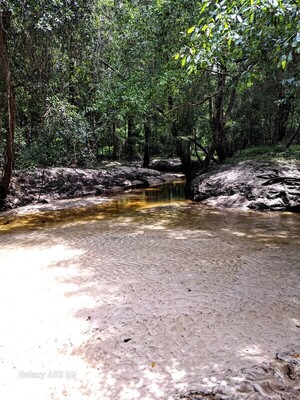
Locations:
(112, 68)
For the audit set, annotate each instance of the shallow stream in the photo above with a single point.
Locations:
(144, 297)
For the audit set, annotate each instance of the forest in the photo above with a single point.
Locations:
(122, 281)
(83, 81)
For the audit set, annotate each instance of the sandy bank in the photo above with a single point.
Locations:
(46, 185)
(165, 303)
(250, 184)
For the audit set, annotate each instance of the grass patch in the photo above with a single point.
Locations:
(268, 153)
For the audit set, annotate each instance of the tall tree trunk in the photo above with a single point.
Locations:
(147, 134)
(281, 117)
(72, 58)
(130, 150)
(218, 121)
(5, 67)
(114, 141)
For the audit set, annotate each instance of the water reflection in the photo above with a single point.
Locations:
(169, 193)
(66, 211)
(163, 208)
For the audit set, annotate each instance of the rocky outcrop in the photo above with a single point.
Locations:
(166, 165)
(249, 184)
(44, 185)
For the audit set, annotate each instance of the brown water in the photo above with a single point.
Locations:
(145, 297)
(90, 209)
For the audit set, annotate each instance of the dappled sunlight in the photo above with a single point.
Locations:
(149, 205)
(280, 237)
(34, 316)
(25, 276)
(254, 353)
(147, 303)
(236, 233)
(187, 234)
(176, 372)
(157, 226)
(167, 333)
(296, 321)
(45, 219)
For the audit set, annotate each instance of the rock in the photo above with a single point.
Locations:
(259, 186)
(100, 189)
(294, 208)
(45, 185)
(112, 164)
(267, 204)
(234, 201)
(166, 165)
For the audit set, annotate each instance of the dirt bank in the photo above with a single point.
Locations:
(246, 185)
(46, 185)
(250, 184)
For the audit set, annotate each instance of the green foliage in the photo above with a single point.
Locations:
(244, 30)
(64, 138)
(267, 153)
(83, 69)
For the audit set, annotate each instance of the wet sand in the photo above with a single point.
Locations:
(152, 304)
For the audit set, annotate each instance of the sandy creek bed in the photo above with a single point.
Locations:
(150, 303)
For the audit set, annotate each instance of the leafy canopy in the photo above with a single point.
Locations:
(244, 29)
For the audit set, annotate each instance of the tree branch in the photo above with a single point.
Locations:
(191, 104)
(293, 137)
(206, 152)
(112, 68)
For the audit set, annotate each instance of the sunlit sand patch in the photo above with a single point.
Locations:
(123, 309)
(252, 352)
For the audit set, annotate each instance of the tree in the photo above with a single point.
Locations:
(97, 79)
(229, 40)
(46, 42)
(6, 73)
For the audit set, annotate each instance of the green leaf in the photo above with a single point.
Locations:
(191, 30)
(191, 69)
(204, 7)
(177, 56)
(283, 64)
(183, 61)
